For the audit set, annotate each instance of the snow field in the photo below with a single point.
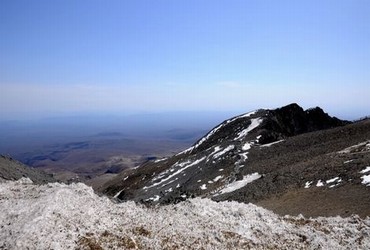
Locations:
(231, 187)
(59, 216)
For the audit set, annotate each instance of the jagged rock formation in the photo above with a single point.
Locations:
(257, 157)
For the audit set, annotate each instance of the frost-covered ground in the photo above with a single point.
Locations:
(58, 216)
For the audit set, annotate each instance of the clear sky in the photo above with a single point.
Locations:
(68, 56)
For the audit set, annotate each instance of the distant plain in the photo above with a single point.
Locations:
(90, 146)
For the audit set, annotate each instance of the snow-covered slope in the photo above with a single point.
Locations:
(219, 163)
(59, 216)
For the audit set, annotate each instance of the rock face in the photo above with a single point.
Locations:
(293, 120)
(11, 169)
(259, 157)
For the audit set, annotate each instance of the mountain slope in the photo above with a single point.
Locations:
(258, 157)
(11, 169)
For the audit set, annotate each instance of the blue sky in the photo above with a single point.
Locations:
(67, 56)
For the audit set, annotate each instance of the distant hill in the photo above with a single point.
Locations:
(288, 159)
(11, 169)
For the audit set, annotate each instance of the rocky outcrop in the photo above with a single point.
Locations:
(293, 120)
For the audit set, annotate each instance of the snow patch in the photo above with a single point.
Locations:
(213, 131)
(159, 160)
(118, 193)
(335, 179)
(216, 149)
(227, 149)
(367, 169)
(244, 156)
(345, 162)
(319, 184)
(155, 198)
(218, 178)
(203, 187)
(183, 167)
(366, 180)
(308, 184)
(231, 187)
(355, 147)
(270, 144)
(258, 138)
(254, 124)
(246, 146)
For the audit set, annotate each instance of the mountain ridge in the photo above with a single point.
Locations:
(228, 164)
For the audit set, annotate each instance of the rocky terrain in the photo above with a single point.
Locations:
(11, 169)
(289, 160)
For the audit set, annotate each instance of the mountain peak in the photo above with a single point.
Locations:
(248, 158)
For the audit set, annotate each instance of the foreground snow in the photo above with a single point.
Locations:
(58, 216)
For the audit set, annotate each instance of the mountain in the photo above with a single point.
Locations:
(288, 160)
(11, 170)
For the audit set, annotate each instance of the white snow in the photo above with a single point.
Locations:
(118, 193)
(354, 147)
(244, 115)
(58, 216)
(254, 124)
(155, 198)
(244, 156)
(159, 160)
(270, 144)
(335, 179)
(319, 184)
(183, 167)
(308, 184)
(367, 169)
(231, 187)
(258, 138)
(214, 130)
(366, 180)
(246, 146)
(227, 149)
(217, 178)
(203, 187)
(345, 162)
